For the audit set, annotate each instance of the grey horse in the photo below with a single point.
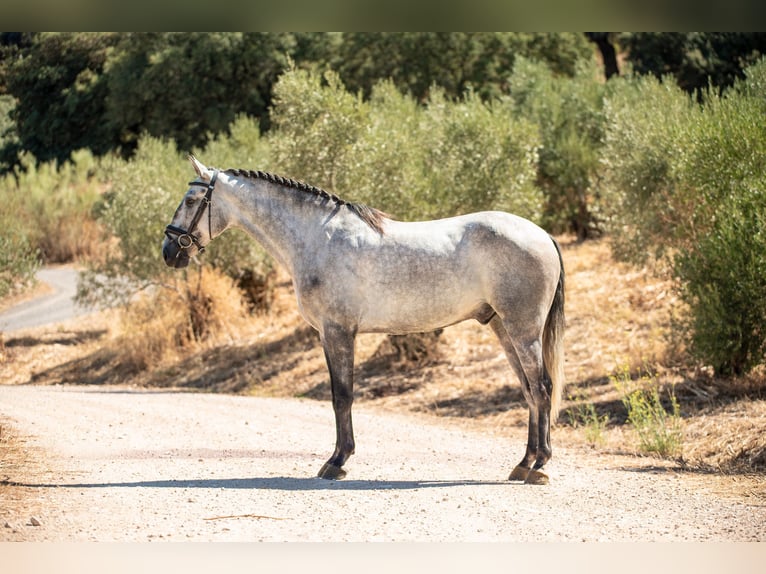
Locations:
(355, 270)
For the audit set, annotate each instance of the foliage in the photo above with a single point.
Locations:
(189, 86)
(569, 113)
(583, 414)
(454, 61)
(60, 94)
(9, 141)
(103, 91)
(18, 257)
(412, 161)
(658, 430)
(159, 326)
(647, 125)
(317, 125)
(143, 195)
(695, 59)
(134, 211)
(54, 204)
(236, 253)
(688, 186)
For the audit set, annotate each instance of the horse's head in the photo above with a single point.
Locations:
(188, 233)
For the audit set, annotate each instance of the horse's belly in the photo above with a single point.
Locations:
(389, 315)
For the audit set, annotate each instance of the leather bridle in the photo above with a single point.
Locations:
(186, 238)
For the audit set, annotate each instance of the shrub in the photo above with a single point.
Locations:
(18, 257)
(140, 203)
(646, 139)
(318, 122)
(412, 161)
(53, 205)
(687, 185)
(724, 281)
(236, 253)
(159, 326)
(568, 112)
(144, 193)
(476, 156)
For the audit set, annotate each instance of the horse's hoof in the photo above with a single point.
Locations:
(536, 477)
(519, 473)
(331, 472)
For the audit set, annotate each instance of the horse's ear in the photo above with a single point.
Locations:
(198, 167)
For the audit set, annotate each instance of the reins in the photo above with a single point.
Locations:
(186, 238)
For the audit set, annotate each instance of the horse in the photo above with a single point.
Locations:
(356, 270)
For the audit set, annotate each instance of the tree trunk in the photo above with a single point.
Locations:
(608, 53)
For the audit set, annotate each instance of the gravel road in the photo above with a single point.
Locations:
(56, 306)
(123, 464)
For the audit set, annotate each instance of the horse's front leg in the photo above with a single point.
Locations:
(338, 343)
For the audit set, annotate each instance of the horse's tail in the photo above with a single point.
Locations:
(553, 341)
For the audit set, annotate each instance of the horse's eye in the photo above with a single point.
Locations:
(190, 201)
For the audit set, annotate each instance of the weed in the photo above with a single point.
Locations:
(659, 430)
(583, 414)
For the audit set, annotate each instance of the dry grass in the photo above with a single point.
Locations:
(617, 317)
(166, 326)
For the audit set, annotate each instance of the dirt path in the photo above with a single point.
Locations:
(55, 305)
(132, 465)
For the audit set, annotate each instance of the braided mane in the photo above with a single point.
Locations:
(371, 216)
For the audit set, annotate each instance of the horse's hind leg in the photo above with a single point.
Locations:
(338, 346)
(540, 385)
(538, 449)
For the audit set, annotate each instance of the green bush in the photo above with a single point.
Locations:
(724, 281)
(568, 111)
(412, 161)
(477, 156)
(646, 140)
(18, 258)
(318, 122)
(144, 193)
(56, 203)
(687, 185)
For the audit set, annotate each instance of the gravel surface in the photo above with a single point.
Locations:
(122, 464)
(53, 307)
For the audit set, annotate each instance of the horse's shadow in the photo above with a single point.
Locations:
(288, 484)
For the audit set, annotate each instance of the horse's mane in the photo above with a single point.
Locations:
(371, 216)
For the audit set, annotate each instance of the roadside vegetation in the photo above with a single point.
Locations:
(660, 177)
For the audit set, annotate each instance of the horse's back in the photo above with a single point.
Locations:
(489, 236)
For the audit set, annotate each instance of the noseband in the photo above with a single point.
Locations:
(185, 239)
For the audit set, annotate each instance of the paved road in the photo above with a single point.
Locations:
(48, 309)
(122, 464)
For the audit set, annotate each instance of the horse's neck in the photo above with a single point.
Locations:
(277, 217)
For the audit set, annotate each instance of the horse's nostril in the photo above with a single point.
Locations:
(167, 255)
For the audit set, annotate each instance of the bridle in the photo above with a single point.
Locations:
(186, 238)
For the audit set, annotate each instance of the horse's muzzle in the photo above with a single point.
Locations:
(174, 256)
